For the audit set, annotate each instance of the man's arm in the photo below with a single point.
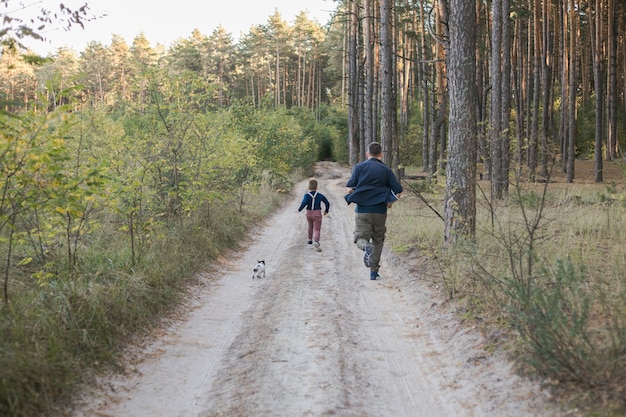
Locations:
(354, 179)
(394, 184)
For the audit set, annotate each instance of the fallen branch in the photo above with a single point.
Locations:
(421, 197)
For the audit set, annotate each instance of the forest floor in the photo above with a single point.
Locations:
(315, 337)
(584, 174)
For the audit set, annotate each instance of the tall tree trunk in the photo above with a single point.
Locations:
(406, 71)
(395, 145)
(425, 91)
(622, 29)
(519, 84)
(495, 142)
(460, 193)
(299, 93)
(505, 113)
(377, 73)
(441, 90)
(573, 84)
(388, 124)
(528, 91)
(611, 92)
(564, 77)
(546, 83)
(534, 128)
(353, 83)
(277, 76)
(369, 70)
(483, 83)
(596, 46)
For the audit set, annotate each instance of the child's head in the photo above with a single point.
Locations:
(312, 184)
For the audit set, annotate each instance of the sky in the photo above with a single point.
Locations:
(164, 22)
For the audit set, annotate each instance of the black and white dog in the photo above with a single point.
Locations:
(259, 270)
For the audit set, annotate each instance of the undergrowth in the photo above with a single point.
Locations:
(546, 270)
(55, 331)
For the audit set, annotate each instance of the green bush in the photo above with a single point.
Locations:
(554, 321)
(53, 331)
(117, 224)
(559, 287)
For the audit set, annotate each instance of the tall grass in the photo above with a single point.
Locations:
(54, 332)
(547, 270)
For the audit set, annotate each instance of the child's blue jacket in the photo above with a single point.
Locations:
(317, 199)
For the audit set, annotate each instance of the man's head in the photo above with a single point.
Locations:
(374, 150)
(312, 184)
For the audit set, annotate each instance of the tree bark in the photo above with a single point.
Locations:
(460, 193)
(596, 45)
(495, 142)
(353, 84)
(441, 90)
(573, 84)
(546, 86)
(388, 123)
(369, 71)
(611, 92)
(505, 112)
(425, 78)
(534, 128)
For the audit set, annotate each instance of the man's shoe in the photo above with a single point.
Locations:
(367, 257)
(309, 244)
(374, 275)
(317, 246)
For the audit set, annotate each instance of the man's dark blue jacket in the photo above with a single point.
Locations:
(373, 182)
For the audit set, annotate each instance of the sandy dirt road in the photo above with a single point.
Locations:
(315, 337)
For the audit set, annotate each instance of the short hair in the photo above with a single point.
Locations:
(375, 149)
(312, 184)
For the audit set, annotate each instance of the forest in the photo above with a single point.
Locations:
(126, 167)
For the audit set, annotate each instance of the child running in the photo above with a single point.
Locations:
(313, 200)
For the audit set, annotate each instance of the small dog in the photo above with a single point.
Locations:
(259, 270)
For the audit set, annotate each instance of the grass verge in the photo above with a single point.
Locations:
(54, 332)
(545, 275)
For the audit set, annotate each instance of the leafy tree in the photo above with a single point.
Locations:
(220, 64)
(95, 64)
(119, 56)
(308, 39)
(143, 58)
(253, 61)
(277, 34)
(18, 78)
(33, 154)
(59, 78)
(186, 55)
(18, 28)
